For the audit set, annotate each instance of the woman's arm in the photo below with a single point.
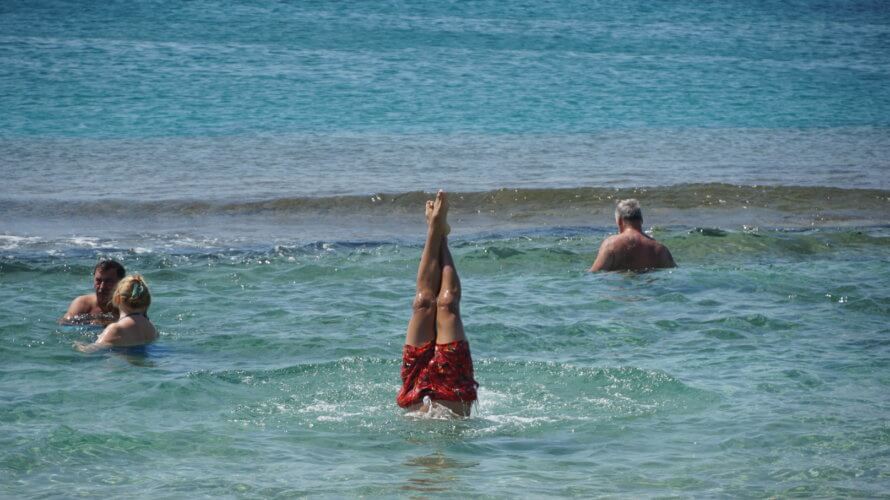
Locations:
(106, 339)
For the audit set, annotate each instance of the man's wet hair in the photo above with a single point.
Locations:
(111, 265)
(629, 210)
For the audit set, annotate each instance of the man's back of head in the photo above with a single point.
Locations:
(629, 211)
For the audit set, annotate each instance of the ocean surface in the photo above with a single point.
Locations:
(264, 165)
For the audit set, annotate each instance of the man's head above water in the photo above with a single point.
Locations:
(629, 211)
(106, 276)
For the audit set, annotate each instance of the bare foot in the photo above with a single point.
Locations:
(437, 213)
(428, 211)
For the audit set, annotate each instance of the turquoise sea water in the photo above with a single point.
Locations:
(265, 167)
(757, 368)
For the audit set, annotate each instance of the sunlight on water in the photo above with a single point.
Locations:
(748, 355)
(265, 165)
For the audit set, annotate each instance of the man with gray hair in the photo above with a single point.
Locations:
(631, 249)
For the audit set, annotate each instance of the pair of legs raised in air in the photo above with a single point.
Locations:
(436, 357)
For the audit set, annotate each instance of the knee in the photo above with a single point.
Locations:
(424, 301)
(449, 300)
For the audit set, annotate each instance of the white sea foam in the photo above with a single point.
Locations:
(519, 420)
(10, 242)
(83, 241)
(430, 410)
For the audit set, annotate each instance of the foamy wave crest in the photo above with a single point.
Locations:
(514, 203)
(11, 242)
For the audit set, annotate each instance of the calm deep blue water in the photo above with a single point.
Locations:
(264, 165)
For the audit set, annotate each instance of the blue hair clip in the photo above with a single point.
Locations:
(137, 290)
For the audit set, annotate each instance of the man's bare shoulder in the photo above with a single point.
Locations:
(611, 241)
(82, 305)
(81, 310)
(606, 255)
(665, 259)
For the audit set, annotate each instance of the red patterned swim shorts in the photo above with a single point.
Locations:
(440, 371)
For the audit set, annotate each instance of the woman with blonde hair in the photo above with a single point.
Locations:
(133, 328)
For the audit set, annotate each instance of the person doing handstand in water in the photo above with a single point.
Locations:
(436, 364)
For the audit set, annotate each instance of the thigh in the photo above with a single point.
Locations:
(421, 326)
